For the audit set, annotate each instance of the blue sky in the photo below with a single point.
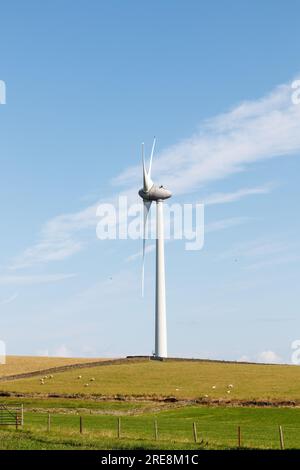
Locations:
(86, 83)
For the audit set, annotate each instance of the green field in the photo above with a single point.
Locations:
(216, 428)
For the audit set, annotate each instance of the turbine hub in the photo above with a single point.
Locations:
(156, 193)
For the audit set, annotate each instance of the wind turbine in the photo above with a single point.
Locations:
(153, 193)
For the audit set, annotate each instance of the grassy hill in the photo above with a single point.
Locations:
(180, 379)
(27, 364)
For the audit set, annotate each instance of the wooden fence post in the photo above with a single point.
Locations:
(49, 422)
(195, 432)
(81, 425)
(155, 430)
(281, 438)
(239, 436)
(119, 428)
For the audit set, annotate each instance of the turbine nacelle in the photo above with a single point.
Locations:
(156, 193)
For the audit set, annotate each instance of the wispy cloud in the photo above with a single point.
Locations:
(263, 253)
(256, 248)
(32, 280)
(223, 198)
(225, 223)
(58, 239)
(274, 261)
(49, 249)
(10, 299)
(264, 357)
(269, 357)
(60, 351)
(227, 144)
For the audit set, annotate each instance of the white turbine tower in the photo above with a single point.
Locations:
(150, 193)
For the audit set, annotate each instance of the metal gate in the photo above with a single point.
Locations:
(11, 415)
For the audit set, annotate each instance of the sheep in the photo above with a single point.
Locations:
(79, 377)
(228, 391)
(86, 385)
(205, 396)
(92, 379)
(214, 387)
(230, 386)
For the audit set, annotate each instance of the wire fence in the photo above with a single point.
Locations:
(206, 434)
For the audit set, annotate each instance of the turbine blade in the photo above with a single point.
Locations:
(147, 182)
(147, 205)
(144, 166)
(143, 154)
(151, 157)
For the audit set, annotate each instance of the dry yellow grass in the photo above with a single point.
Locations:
(182, 379)
(23, 364)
